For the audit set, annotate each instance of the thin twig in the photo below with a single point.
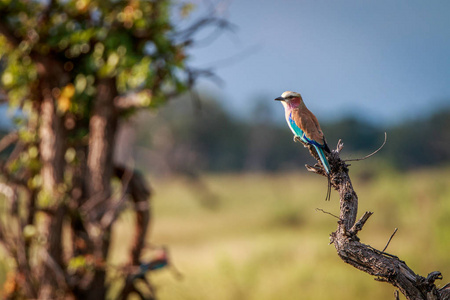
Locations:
(371, 154)
(359, 225)
(328, 213)
(383, 253)
(392, 235)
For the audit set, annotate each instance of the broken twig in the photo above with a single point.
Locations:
(328, 213)
(371, 154)
(392, 235)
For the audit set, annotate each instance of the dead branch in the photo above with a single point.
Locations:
(136, 186)
(390, 239)
(383, 266)
(371, 154)
(328, 213)
(140, 193)
(359, 225)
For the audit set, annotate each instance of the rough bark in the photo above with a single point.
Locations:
(52, 150)
(102, 128)
(385, 267)
(83, 206)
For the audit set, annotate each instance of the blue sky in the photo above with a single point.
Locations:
(385, 60)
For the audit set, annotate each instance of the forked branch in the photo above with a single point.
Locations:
(385, 267)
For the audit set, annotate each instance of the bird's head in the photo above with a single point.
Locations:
(290, 99)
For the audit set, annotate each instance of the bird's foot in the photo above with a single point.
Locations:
(297, 139)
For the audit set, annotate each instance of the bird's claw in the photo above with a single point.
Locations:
(297, 139)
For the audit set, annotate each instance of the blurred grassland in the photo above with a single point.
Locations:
(265, 240)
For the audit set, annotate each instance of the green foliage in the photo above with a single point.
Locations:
(75, 68)
(133, 41)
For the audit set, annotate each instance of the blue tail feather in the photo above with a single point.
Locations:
(323, 158)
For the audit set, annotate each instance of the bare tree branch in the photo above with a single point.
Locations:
(385, 267)
(140, 193)
(359, 225)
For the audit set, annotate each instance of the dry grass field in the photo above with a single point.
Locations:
(259, 236)
(264, 238)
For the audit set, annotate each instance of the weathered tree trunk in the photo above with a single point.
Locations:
(385, 267)
(102, 128)
(52, 149)
(60, 200)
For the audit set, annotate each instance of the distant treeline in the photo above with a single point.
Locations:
(183, 139)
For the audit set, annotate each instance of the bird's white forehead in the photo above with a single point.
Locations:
(290, 93)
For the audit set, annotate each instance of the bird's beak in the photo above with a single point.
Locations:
(279, 99)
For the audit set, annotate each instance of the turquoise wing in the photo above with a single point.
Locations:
(319, 148)
(296, 130)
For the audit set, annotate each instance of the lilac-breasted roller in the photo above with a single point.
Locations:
(304, 125)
